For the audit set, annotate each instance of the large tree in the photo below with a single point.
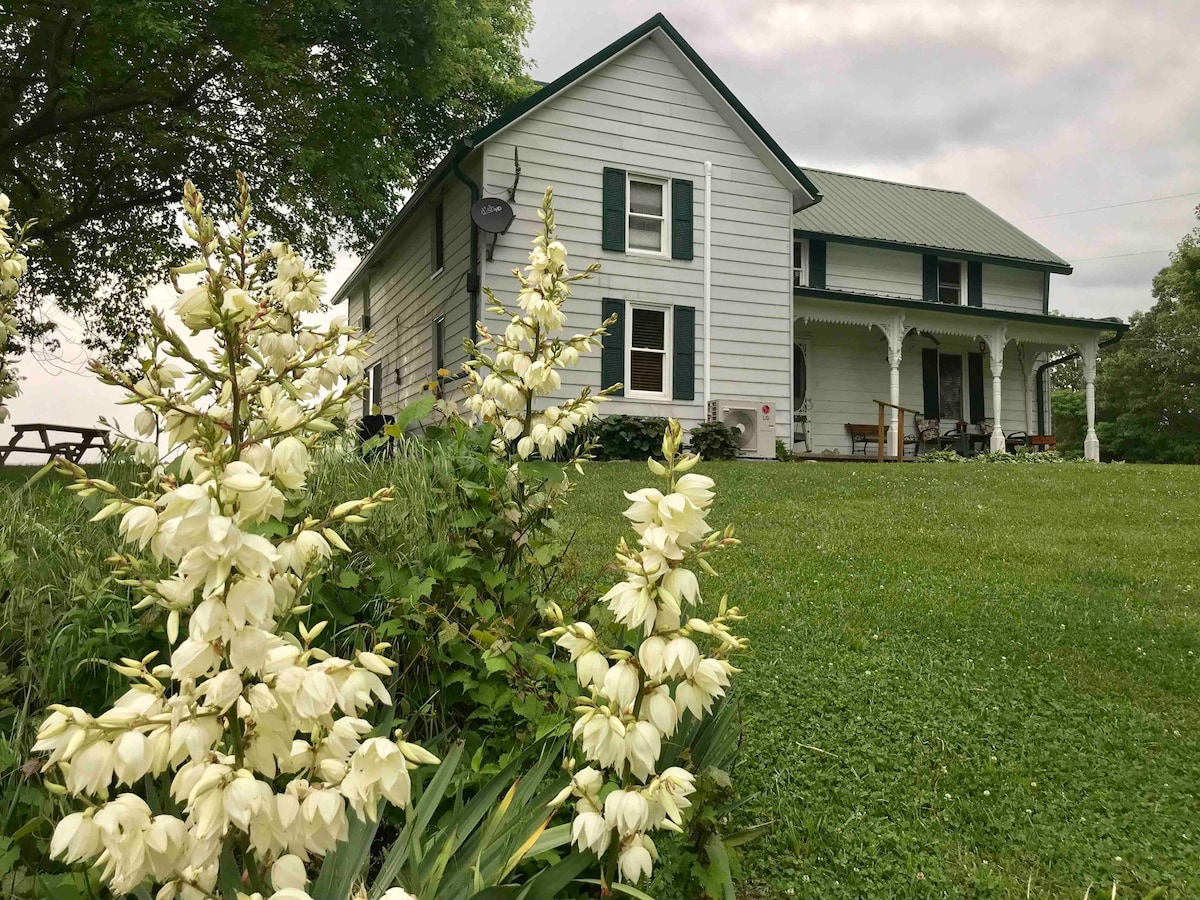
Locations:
(1149, 384)
(332, 108)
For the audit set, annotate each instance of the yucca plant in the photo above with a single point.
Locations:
(710, 747)
(460, 848)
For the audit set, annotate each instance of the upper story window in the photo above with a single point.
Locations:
(799, 264)
(950, 281)
(438, 261)
(649, 361)
(365, 323)
(646, 220)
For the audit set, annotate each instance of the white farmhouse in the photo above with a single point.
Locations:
(792, 298)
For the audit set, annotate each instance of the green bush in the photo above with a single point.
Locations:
(714, 440)
(454, 574)
(627, 437)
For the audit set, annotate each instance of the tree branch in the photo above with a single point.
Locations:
(82, 216)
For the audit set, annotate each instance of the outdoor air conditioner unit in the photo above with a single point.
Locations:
(753, 422)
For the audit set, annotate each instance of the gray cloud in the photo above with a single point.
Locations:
(1033, 108)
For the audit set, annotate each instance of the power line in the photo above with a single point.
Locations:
(1120, 255)
(1075, 212)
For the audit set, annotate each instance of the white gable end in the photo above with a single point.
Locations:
(643, 113)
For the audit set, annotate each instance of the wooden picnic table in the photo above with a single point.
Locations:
(72, 448)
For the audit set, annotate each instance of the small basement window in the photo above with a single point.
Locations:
(950, 281)
(649, 360)
(646, 223)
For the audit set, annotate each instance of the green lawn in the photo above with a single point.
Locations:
(969, 680)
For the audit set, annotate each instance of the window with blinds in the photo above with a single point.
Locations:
(648, 363)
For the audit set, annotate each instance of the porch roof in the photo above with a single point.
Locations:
(977, 312)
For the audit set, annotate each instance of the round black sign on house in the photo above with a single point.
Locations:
(492, 214)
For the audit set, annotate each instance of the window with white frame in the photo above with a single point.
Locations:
(649, 360)
(646, 220)
(799, 264)
(950, 281)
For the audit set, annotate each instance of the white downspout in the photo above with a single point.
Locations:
(707, 290)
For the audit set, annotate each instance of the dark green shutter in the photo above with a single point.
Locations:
(929, 278)
(816, 264)
(975, 386)
(929, 381)
(681, 219)
(612, 347)
(613, 228)
(1045, 298)
(974, 284)
(683, 378)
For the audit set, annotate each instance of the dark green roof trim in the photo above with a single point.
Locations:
(657, 21)
(462, 149)
(978, 312)
(728, 96)
(940, 251)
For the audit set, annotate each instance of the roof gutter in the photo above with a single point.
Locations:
(1040, 378)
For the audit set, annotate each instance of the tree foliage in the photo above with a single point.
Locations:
(1148, 387)
(332, 108)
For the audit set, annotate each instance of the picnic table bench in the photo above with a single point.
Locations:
(72, 448)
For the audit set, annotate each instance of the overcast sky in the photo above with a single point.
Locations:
(1034, 108)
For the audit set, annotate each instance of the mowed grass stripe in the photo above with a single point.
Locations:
(966, 680)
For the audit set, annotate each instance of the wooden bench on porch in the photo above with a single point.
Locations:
(861, 435)
(73, 448)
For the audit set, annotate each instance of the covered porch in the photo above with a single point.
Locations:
(970, 371)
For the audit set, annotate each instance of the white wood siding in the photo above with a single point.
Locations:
(848, 371)
(640, 113)
(1007, 287)
(406, 298)
(897, 273)
(872, 270)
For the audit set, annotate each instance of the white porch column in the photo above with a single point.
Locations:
(1087, 355)
(996, 342)
(895, 331)
(1031, 365)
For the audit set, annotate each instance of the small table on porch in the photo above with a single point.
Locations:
(963, 442)
(84, 439)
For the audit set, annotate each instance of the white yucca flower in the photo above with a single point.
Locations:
(665, 665)
(256, 733)
(511, 371)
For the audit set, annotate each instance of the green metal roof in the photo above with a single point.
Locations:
(887, 213)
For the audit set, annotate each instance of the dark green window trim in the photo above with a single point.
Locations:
(816, 263)
(975, 283)
(976, 311)
(1046, 293)
(937, 251)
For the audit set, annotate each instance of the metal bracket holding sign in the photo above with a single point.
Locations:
(495, 216)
